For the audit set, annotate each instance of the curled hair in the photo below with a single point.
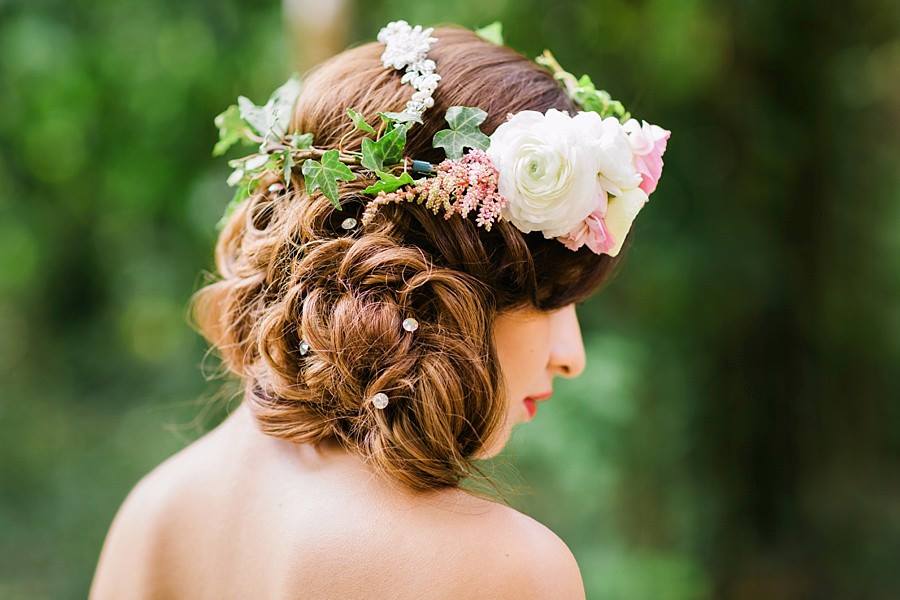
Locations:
(289, 273)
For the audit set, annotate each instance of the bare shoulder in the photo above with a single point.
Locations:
(456, 547)
(134, 547)
(523, 558)
(131, 544)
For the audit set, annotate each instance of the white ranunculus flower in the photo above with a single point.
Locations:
(548, 170)
(610, 142)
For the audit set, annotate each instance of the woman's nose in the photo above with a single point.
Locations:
(567, 351)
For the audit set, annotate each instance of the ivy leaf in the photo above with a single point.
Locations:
(492, 33)
(359, 121)
(325, 175)
(372, 157)
(392, 144)
(388, 183)
(240, 194)
(232, 129)
(271, 119)
(463, 132)
(386, 151)
(401, 117)
(388, 121)
(287, 166)
(235, 178)
(302, 141)
(255, 162)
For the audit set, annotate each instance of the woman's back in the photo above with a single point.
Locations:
(239, 514)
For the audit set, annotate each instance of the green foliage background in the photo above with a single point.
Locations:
(736, 433)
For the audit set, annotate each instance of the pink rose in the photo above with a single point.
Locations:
(591, 231)
(604, 230)
(648, 142)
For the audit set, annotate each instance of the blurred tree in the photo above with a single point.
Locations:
(317, 29)
(737, 431)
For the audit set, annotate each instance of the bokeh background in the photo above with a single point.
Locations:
(737, 431)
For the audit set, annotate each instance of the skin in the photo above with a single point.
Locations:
(533, 348)
(239, 514)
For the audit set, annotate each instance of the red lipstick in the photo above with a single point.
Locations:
(531, 403)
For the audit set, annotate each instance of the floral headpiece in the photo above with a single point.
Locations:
(581, 179)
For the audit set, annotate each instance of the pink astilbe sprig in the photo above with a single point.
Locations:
(460, 186)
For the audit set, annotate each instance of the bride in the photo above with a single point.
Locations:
(390, 330)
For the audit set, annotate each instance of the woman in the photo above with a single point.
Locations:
(384, 354)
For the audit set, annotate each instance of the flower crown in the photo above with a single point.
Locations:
(581, 179)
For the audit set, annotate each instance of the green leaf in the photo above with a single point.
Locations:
(273, 163)
(386, 151)
(235, 178)
(372, 156)
(301, 141)
(388, 121)
(463, 132)
(599, 101)
(401, 117)
(271, 119)
(325, 175)
(240, 194)
(359, 121)
(287, 166)
(388, 183)
(465, 117)
(257, 162)
(583, 91)
(392, 144)
(232, 129)
(492, 33)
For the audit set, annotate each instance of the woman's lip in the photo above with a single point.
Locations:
(531, 403)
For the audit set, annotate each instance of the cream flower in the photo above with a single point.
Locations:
(548, 171)
(620, 213)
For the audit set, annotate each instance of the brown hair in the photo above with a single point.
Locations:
(290, 273)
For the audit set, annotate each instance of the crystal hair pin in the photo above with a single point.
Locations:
(380, 400)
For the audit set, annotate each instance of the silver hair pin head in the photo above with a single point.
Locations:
(304, 348)
(380, 400)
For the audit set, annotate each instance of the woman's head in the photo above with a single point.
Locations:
(495, 308)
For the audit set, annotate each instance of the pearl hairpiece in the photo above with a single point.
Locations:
(407, 48)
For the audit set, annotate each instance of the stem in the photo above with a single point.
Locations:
(548, 60)
(304, 153)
